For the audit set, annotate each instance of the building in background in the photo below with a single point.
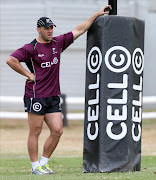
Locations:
(18, 26)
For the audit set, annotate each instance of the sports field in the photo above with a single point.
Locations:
(67, 159)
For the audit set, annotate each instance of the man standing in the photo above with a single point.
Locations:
(42, 90)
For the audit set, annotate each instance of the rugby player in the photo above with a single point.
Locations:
(42, 89)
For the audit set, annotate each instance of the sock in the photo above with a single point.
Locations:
(43, 160)
(35, 165)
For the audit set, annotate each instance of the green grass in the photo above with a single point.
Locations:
(70, 168)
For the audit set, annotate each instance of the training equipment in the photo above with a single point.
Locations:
(113, 95)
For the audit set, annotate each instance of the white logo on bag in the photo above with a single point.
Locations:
(122, 63)
(94, 59)
(138, 66)
(37, 106)
(94, 62)
(117, 59)
(138, 61)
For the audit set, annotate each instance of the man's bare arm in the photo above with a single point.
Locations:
(16, 66)
(82, 28)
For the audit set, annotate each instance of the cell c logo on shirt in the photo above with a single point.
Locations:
(55, 60)
(37, 106)
(49, 64)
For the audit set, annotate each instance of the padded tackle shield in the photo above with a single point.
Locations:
(113, 95)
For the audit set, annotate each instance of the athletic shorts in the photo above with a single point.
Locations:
(42, 106)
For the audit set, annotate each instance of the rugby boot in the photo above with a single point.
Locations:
(47, 169)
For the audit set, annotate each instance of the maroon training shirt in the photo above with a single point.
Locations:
(43, 60)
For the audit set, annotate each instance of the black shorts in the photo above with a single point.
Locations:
(42, 106)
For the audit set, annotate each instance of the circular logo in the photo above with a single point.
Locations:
(117, 59)
(94, 59)
(55, 60)
(37, 106)
(138, 61)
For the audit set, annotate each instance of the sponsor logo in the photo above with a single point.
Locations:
(49, 64)
(40, 55)
(118, 66)
(117, 59)
(138, 61)
(94, 63)
(37, 106)
(138, 66)
(55, 60)
(114, 110)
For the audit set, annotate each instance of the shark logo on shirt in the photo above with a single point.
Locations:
(54, 52)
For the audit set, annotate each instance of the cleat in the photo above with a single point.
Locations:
(47, 169)
(38, 171)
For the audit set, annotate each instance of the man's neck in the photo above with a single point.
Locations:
(42, 41)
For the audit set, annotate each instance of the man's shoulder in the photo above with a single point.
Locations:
(30, 46)
(55, 39)
(61, 37)
(33, 43)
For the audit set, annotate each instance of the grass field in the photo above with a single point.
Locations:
(70, 168)
(67, 159)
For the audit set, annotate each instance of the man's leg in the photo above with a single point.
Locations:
(35, 125)
(55, 124)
